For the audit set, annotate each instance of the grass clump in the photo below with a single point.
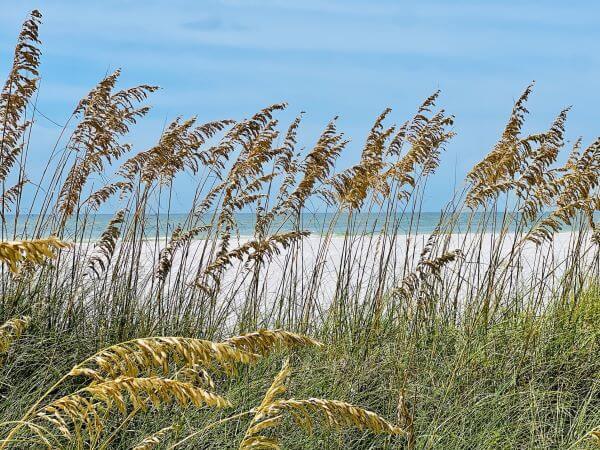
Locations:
(481, 331)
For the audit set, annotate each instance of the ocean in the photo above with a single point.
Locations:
(317, 223)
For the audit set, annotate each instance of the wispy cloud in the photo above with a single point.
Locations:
(214, 23)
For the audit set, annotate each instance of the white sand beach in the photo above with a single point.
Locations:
(318, 264)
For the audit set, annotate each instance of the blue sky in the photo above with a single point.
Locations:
(228, 58)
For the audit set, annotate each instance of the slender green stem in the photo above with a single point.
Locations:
(208, 427)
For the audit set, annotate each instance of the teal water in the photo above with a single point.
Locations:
(316, 223)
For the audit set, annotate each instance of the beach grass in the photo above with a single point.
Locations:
(481, 334)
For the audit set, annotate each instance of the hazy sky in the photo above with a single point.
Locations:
(226, 59)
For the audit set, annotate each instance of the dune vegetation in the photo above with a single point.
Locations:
(174, 331)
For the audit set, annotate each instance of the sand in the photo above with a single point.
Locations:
(319, 264)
